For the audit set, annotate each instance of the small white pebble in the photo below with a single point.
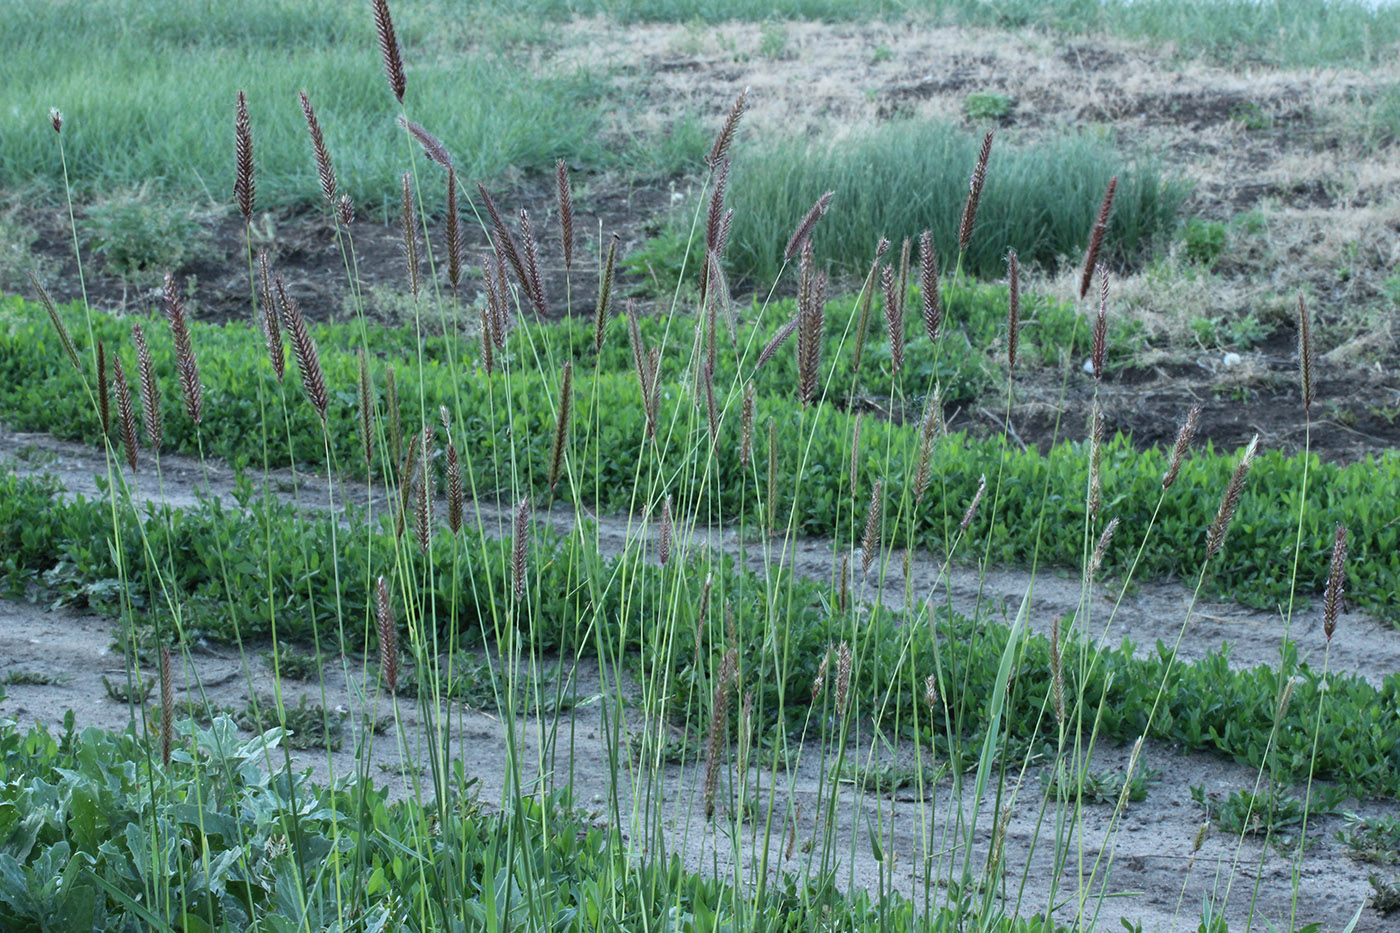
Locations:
(1231, 360)
(1089, 366)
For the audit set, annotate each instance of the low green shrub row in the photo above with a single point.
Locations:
(504, 425)
(312, 581)
(100, 836)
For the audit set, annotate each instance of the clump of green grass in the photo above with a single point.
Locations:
(1040, 201)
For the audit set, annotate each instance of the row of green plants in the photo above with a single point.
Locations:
(41, 391)
(1208, 704)
(99, 835)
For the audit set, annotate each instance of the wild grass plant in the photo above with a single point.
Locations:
(497, 460)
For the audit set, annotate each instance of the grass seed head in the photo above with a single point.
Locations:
(1013, 313)
(1306, 352)
(1105, 539)
(1220, 527)
(243, 185)
(1091, 258)
(928, 285)
(1094, 498)
(505, 243)
(663, 538)
(566, 212)
(389, 49)
(167, 706)
(126, 411)
(313, 380)
(855, 450)
(746, 425)
(719, 152)
(62, 329)
(186, 369)
(432, 146)
(452, 233)
(345, 210)
(1100, 344)
(1336, 583)
(1183, 444)
(325, 170)
(534, 284)
(366, 411)
(803, 232)
(520, 544)
(409, 232)
(150, 393)
(974, 194)
(870, 541)
(605, 290)
(1057, 673)
(271, 329)
(843, 677)
(971, 512)
(388, 637)
(56, 119)
(894, 318)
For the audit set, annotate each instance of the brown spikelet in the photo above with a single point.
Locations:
(325, 170)
(186, 370)
(971, 512)
(1091, 258)
(819, 682)
(843, 677)
(1094, 499)
(929, 429)
(714, 215)
(452, 234)
(150, 394)
(637, 344)
(746, 426)
(803, 231)
(776, 342)
(810, 308)
(843, 585)
(1220, 527)
(388, 637)
(867, 301)
(366, 412)
(126, 411)
(1336, 583)
(456, 494)
(928, 286)
(313, 380)
(902, 277)
(870, 541)
(931, 692)
(505, 243)
(974, 194)
(1100, 344)
(104, 405)
(389, 49)
(519, 546)
(719, 152)
(1183, 444)
(243, 185)
(1057, 672)
(718, 732)
(391, 402)
(432, 146)
(1101, 549)
(58, 325)
(855, 450)
(272, 330)
(1306, 352)
(566, 212)
(663, 535)
(345, 210)
(167, 706)
(561, 424)
(56, 119)
(605, 289)
(423, 498)
(534, 285)
(409, 232)
(1013, 312)
(894, 319)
